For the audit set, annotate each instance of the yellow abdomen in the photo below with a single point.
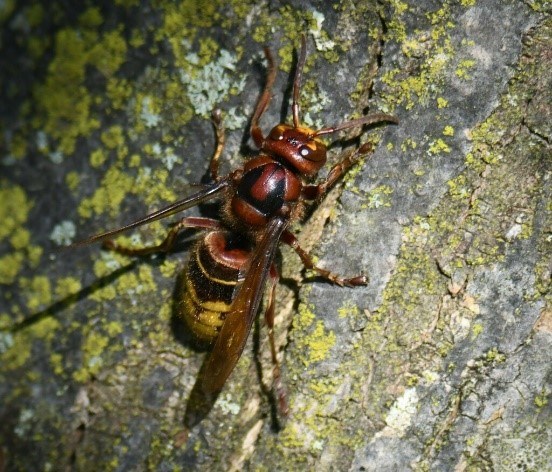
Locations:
(209, 283)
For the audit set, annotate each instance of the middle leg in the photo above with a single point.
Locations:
(308, 262)
(170, 239)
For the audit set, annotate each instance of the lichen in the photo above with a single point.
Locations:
(315, 345)
(108, 198)
(14, 210)
(400, 415)
(65, 107)
(437, 53)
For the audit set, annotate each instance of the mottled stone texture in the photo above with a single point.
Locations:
(441, 363)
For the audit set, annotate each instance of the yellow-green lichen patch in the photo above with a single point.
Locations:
(62, 99)
(480, 199)
(477, 329)
(407, 144)
(113, 137)
(131, 284)
(180, 27)
(100, 343)
(115, 186)
(14, 209)
(541, 400)
(34, 254)
(6, 9)
(10, 266)
(183, 19)
(442, 102)
(436, 54)
(118, 91)
(378, 197)
(463, 69)
(495, 356)
(72, 180)
(310, 432)
(65, 106)
(151, 186)
(348, 309)
(169, 268)
(97, 158)
(110, 52)
(93, 347)
(315, 345)
(37, 291)
(416, 277)
(18, 353)
(67, 286)
(291, 22)
(448, 131)
(438, 146)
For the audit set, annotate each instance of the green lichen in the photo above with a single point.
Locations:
(14, 210)
(495, 356)
(72, 180)
(113, 138)
(436, 54)
(65, 107)
(18, 354)
(93, 347)
(316, 345)
(6, 9)
(442, 102)
(378, 197)
(477, 329)
(407, 144)
(37, 290)
(118, 91)
(463, 68)
(97, 158)
(438, 146)
(448, 131)
(169, 268)
(10, 266)
(541, 400)
(67, 286)
(62, 98)
(56, 361)
(348, 309)
(108, 198)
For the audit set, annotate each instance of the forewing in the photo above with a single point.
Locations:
(235, 330)
(208, 192)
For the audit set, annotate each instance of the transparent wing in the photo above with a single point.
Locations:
(208, 192)
(235, 330)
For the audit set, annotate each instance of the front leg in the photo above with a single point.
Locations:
(317, 192)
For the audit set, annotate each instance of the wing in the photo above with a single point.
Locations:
(208, 192)
(235, 330)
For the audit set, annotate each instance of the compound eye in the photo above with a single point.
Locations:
(311, 153)
(277, 133)
(305, 151)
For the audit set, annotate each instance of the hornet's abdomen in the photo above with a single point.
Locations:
(210, 278)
